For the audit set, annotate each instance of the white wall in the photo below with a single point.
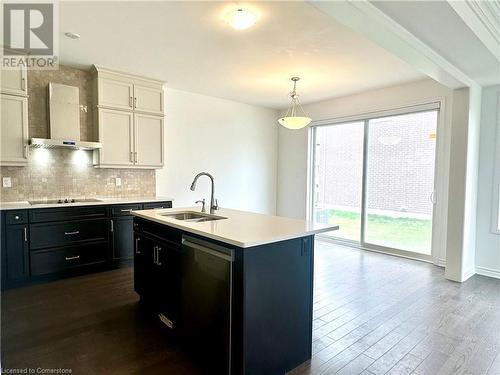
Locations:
(488, 242)
(235, 142)
(293, 145)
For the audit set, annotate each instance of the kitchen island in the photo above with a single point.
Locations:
(236, 286)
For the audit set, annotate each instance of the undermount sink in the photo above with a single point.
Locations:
(193, 217)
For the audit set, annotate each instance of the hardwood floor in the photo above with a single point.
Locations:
(373, 314)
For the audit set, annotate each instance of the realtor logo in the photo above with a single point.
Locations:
(29, 30)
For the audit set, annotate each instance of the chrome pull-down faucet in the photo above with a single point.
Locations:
(213, 202)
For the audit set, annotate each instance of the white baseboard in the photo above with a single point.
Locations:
(468, 274)
(441, 262)
(490, 272)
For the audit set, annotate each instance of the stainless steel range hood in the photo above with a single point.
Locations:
(64, 120)
(61, 143)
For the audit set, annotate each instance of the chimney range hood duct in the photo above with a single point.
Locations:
(64, 120)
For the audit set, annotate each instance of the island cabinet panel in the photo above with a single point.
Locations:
(277, 328)
(157, 278)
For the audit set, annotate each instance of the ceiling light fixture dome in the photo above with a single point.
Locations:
(241, 19)
(295, 117)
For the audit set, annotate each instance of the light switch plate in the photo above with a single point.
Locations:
(118, 181)
(6, 182)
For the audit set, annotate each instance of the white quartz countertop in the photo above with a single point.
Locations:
(239, 228)
(21, 205)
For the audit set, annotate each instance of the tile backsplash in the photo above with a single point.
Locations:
(63, 173)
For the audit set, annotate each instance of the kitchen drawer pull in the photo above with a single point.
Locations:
(16, 217)
(126, 210)
(25, 234)
(112, 226)
(70, 233)
(130, 104)
(72, 258)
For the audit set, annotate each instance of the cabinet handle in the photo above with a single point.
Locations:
(130, 104)
(70, 233)
(137, 251)
(23, 83)
(158, 256)
(25, 234)
(16, 217)
(112, 226)
(135, 156)
(132, 156)
(25, 151)
(154, 255)
(135, 102)
(72, 258)
(126, 210)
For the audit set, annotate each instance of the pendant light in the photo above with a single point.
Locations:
(295, 117)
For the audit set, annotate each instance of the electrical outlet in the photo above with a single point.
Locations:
(6, 182)
(118, 181)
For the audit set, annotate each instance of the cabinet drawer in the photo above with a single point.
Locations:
(67, 213)
(67, 233)
(149, 206)
(56, 260)
(124, 209)
(16, 217)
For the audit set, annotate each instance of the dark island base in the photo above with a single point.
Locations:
(238, 310)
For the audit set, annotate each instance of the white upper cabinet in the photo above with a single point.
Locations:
(116, 133)
(14, 81)
(129, 92)
(129, 121)
(148, 146)
(148, 99)
(14, 130)
(115, 93)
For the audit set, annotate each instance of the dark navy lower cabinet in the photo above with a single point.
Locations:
(16, 254)
(249, 312)
(49, 243)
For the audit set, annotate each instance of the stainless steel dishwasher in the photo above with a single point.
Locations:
(207, 302)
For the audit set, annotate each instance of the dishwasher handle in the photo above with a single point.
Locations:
(216, 251)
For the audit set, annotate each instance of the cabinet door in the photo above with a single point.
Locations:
(116, 93)
(167, 272)
(122, 238)
(14, 130)
(116, 135)
(17, 252)
(143, 265)
(148, 140)
(148, 99)
(14, 81)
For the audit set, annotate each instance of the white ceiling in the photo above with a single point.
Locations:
(189, 45)
(438, 25)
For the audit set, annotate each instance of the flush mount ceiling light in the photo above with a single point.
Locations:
(71, 35)
(241, 19)
(295, 117)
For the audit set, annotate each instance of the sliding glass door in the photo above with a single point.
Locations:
(338, 155)
(375, 179)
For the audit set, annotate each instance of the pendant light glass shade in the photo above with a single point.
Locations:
(295, 117)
